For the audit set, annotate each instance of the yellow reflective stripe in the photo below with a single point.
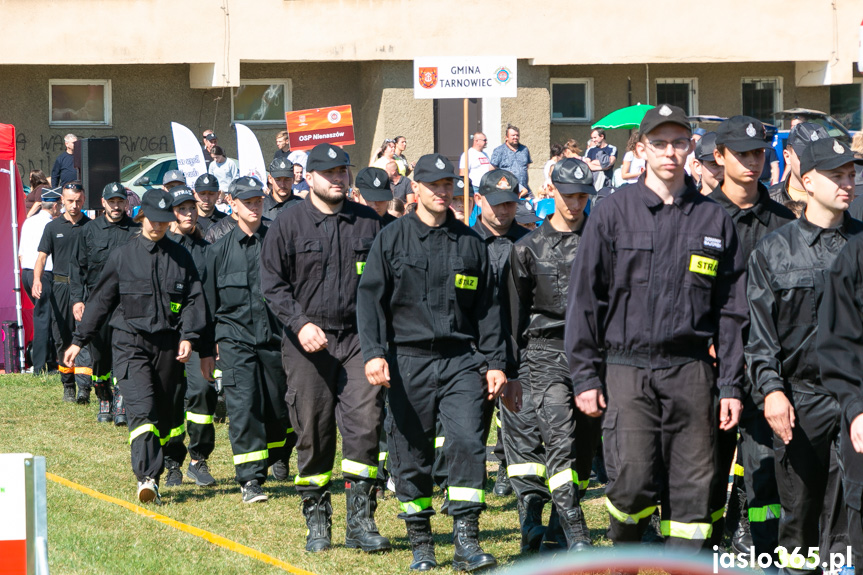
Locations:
(175, 306)
(176, 432)
(142, 429)
(250, 457)
(106, 377)
(738, 469)
(797, 560)
(217, 373)
(717, 515)
(382, 456)
(466, 282)
(115, 381)
(524, 469)
(626, 517)
(360, 267)
(466, 494)
(199, 418)
(439, 441)
(415, 506)
(317, 480)
(562, 478)
(289, 431)
(276, 444)
(766, 513)
(582, 485)
(703, 265)
(497, 421)
(692, 531)
(359, 469)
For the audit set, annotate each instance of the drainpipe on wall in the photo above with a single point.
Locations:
(647, 82)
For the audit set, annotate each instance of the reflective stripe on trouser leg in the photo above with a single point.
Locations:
(199, 418)
(177, 432)
(359, 469)
(415, 506)
(686, 530)
(321, 480)
(242, 458)
(141, 429)
(562, 478)
(766, 513)
(201, 399)
(466, 494)
(526, 469)
(628, 518)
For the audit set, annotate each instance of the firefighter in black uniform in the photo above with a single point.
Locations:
(785, 285)
(206, 195)
(740, 145)
(281, 179)
(311, 263)
(248, 337)
(95, 243)
(201, 397)
(550, 443)
(791, 188)
(659, 272)
(152, 284)
(60, 240)
(424, 305)
(373, 190)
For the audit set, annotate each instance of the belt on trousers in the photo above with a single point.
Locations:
(434, 349)
(61, 279)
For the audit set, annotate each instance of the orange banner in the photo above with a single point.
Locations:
(308, 128)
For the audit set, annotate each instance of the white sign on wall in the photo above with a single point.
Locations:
(465, 77)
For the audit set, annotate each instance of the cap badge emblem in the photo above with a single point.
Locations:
(162, 203)
(115, 188)
(750, 131)
(332, 153)
(837, 147)
(282, 165)
(578, 173)
(377, 182)
(664, 110)
(814, 137)
(502, 184)
(439, 164)
(206, 179)
(459, 183)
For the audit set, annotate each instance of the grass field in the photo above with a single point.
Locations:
(86, 535)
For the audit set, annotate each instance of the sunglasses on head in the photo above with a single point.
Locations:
(73, 187)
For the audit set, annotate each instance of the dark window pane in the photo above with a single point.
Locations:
(845, 105)
(568, 101)
(676, 94)
(78, 103)
(759, 100)
(259, 103)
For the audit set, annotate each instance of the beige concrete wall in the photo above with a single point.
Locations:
(219, 35)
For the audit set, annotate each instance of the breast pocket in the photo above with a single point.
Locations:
(633, 258)
(361, 247)
(100, 252)
(412, 284)
(702, 264)
(547, 291)
(795, 295)
(309, 259)
(177, 289)
(136, 297)
(466, 281)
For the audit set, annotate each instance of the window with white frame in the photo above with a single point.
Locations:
(571, 99)
(680, 92)
(262, 101)
(761, 98)
(79, 103)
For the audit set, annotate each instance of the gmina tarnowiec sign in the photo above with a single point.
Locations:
(465, 77)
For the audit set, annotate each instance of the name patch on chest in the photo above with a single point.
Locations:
(59, 235)
(179, 286)
(711, 242)
(466, 282)
(703, 265)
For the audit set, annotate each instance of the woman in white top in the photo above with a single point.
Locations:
(633, 166)
(224, 169)
(385, 155)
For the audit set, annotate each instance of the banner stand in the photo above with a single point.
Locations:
(13, 194)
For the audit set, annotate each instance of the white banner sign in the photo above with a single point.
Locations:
(190, 157)
(465, 77)
(249, 154)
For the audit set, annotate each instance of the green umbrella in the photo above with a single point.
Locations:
(624, 118)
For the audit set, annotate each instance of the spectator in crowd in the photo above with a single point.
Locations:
(385, 154)
(396, 208)
(210, 141)
(283, 146)
(224, 169)
(399, 184)
(556, 153)
(33, 201)
(571, 149)
(601, 155)
(405, 168)
(513, 156)
(707, 172)
(300, 186)
(857, 143)
(457, 204)
(64, 171)
(478, 163)
(633, 165)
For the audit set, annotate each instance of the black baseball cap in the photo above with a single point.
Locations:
(326, 157)
(499, 186)
(742, 134)
(705, 146)
(803, 134)
(826, 154)
(181, 194)
(434, 167)
(279, 168)
(572, 176)
(156, 205)
(245, 188)
(374, 185)
(211, 137)
(458, 188)
(525, 213)
(174, 176)
(664, 114)
(206, 183)
(114, 190)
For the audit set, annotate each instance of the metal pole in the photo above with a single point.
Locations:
(467, 209)
(13, 191)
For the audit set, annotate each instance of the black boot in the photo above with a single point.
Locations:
(554, 539)
(106, 399)
(468, 555)
(575, 529)
(83, 397)
(69, 393)
(530, 516)
(362, 533)
(653, 530)
(741, 540)
(422, 545)
(119, 408)
(502, 485)
(319, 514)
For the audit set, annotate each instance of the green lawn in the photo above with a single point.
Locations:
(89, 536)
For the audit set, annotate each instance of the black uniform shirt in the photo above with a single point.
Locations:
(787, 274)
(388, 218)
(207, 222)
(499, 247)
(233, 290)
(539, 282)
(272, 208)
(425, 286)
(197, 247)
(154, 287)
(219, 229)
(311, 264)
(779, 192)
(756, 222)
(60, 239)
(95, 242)
(652, 283)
